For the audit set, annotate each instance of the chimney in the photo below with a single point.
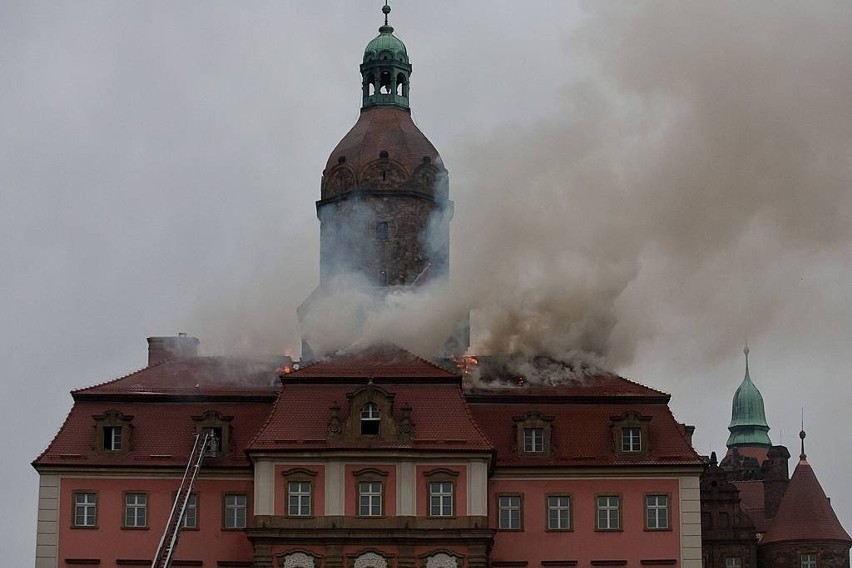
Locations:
(775, 479)
(162, 349)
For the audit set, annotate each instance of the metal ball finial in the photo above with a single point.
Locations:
(386, 10)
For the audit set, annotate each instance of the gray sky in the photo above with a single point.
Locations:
(651, 180)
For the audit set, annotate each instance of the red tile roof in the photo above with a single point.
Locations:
(581, 432)
(196, 376)
(599, 386)
(441, 419)
(751, 501)
(805, 512)
(384, 361)
(162, 434)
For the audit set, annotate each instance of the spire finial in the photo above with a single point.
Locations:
(386, 10)
(746, 351)
(802, 435)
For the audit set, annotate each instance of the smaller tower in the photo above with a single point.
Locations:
(748, 425)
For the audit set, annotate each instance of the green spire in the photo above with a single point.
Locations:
(748, 425)
(385, 70)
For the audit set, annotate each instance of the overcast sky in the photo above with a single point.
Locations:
(681, 172)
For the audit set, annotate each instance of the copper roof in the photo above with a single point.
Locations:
(805, 512)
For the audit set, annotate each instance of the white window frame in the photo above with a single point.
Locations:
(190, 513)
(370, 495)
(509, 512)
(533, 440)
(112, 438)
(657, 512)
(135, 510)
(733, 562)
(236, 510)
(299, 498)
(808, 560)
(441, 498)
(559, 512)
(608, 512)
(371, 415)
(631, 439)
(85, 509)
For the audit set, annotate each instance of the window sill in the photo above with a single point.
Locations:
(559, 530)
(609, 530)
(663, 529)
(135, 528)
(84, 527)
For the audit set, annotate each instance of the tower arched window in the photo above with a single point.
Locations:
(370, 419)
(385, 80)
(371, 84)
(401, 85)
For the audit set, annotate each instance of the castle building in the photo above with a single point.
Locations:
(753, 513)
(372, 458)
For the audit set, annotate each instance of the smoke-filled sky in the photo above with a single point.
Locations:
(649, 182)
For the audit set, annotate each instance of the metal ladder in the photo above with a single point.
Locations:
(205, 444)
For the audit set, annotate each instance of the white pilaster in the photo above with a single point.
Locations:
(47, 532)
(690, 521)
(477, 488)
(335, 489)
(406, 489)
(264, 488)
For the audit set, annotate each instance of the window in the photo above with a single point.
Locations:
(219, 426)
(235, 511)
(631, 440)
(533, 440)
(630, 434)
(112, 432)
(85, 509)
(609, 513)
(733, 562)
(112, 438)
(558, 512)
(509, 512)
(370, 419)
(299, 498)
(656, 512)
(382, 233)
(135, 510)
(370, 498)
(190, 514)
(533, 433)
(808, 561)
(441, 499)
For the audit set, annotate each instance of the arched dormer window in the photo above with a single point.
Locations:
(371, 419)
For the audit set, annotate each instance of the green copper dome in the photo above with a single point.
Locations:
(748, 425)
(385, 70)
(386, 45)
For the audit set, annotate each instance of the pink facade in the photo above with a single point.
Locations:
(583, 542)
(110, 542)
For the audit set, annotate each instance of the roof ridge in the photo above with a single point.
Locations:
(643, 385)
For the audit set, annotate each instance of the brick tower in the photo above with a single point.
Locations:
(384, 207)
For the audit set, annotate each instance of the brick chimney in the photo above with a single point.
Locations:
(162, 349)
(775, 479)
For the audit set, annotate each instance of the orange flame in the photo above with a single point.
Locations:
(466, 363)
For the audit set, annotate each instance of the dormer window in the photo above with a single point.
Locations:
(113, 432)
(112, 438)
(533, 434)
(533, 440)
(630, 434)
(370, 420)
(631, 440)
(218, 428)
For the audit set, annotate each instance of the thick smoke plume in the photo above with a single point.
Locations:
(703, 152)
